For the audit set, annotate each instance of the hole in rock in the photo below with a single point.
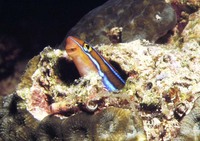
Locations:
(165, 38)
(149, 107)
(119, 69)
(67, 71)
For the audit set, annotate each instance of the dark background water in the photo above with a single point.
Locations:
(27, 26)
(34, 24)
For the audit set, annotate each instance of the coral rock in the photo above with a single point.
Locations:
(190, 125)
(140, 19)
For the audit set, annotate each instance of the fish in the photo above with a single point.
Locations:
(88, 59)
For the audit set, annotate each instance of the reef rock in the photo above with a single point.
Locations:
(161, 86)
(160, 100)
(192, 30)
(136, 19)
(190, 125)
(16, 123)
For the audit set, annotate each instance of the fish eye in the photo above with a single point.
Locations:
(87, 48)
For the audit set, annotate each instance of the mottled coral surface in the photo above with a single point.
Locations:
(163, 81)
(160, 100)
(139, 19)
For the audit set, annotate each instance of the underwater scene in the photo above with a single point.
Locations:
(127, 71)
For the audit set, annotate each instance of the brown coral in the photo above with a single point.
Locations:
(140, 19)
(190, 125)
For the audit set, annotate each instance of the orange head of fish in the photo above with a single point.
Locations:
(74, 48)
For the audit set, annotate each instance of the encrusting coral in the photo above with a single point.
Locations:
(160, 100)
(190, 125)
(138, 19)
(16, 120)
(109, 124)
(160, 77)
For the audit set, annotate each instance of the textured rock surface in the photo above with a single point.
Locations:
(16, 122)
(163, 81)
(190, 124)
(139, 19)
(160, 100)
(108, 124)
(192, 30)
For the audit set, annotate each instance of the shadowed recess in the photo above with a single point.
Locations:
(150, 107)
(119, 69)
(67, 71)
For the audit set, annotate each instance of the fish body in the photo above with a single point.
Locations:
(87, 59)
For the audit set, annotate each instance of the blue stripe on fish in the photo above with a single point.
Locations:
(110, 86)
